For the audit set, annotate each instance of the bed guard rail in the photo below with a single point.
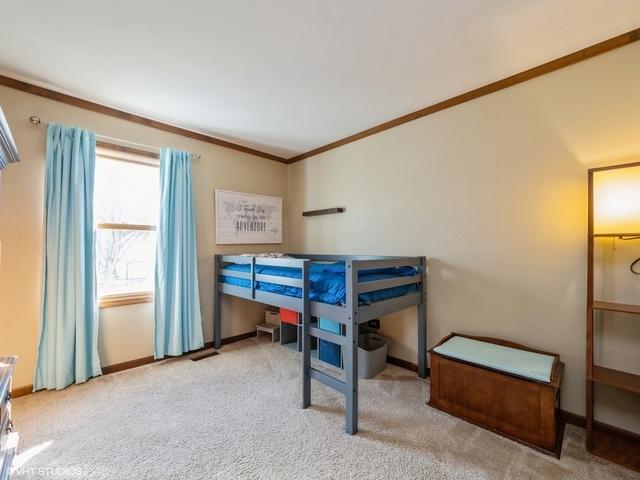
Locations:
(252, 276)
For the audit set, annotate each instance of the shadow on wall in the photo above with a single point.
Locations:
(474, 302)
(486, 303)
(206, 282)
(457, 297)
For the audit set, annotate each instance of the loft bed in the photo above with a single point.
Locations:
(359, 289)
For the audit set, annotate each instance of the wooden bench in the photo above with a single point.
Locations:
(505, 387)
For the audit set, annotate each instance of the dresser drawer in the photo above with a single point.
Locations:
(8, 448)
(8, 439)
(5, 415)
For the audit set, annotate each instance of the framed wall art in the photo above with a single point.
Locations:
(247, 218)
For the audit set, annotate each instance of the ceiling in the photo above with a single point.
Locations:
(287, 76)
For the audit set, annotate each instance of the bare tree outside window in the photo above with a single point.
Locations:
(112, 247)
(126, 208)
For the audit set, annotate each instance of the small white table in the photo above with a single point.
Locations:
(269, 328)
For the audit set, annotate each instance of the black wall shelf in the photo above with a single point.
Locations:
(326, 211)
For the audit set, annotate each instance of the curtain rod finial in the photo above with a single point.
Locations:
(197, 156)
(35, 120)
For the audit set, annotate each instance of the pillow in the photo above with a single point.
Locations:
(266, 255)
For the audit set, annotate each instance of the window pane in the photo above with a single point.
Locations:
(125, 261)
(126, 192)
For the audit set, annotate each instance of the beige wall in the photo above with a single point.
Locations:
(494, 192)
(125, 332)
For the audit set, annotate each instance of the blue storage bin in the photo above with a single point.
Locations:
(327, 351)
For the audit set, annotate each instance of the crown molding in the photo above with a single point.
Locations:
(113, 112)
(557, 64)
(552, 66)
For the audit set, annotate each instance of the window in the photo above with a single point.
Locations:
(126, 201)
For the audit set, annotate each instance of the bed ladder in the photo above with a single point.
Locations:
(349, 344)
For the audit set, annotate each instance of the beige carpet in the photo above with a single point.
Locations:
(236, 415)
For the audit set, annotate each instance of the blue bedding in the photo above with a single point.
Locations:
(327, 282)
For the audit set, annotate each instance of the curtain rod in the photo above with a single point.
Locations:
(37, 121)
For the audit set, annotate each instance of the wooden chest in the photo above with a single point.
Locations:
(519, 408)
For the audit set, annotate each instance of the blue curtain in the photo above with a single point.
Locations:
(178, 322)
(68, 344)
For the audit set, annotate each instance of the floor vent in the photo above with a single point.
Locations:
(202, 355)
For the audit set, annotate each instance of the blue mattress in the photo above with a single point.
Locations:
(327, 282)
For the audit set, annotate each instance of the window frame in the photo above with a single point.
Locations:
(122, 153)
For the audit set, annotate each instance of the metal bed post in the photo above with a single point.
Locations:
(217, 307)
(253, 277)
(422, 322)
(351, 347)
(306, 336)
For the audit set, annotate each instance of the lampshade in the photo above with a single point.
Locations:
(616, 201)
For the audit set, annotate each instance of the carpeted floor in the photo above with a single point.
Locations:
(236, 415)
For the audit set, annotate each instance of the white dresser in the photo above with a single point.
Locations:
(8, 437)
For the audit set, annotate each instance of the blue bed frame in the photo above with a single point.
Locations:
(351, 314)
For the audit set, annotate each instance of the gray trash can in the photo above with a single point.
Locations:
(372, 355)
